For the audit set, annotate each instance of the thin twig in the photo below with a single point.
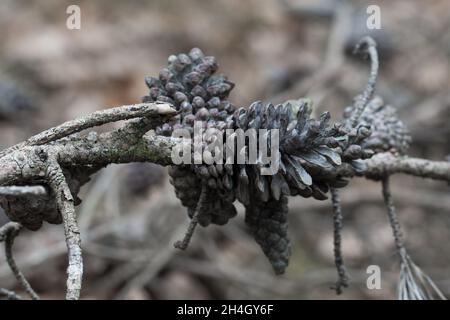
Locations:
(338, 258)
(10, 295)
(8, 233)
(366, 46)
(392, 215)
(65, 204)
(414, 284)
(94, 119)
(184, 243)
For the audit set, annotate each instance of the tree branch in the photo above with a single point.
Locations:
(366, 46)
(10, 295)
(342, 281)
(8, 233)
(65, 205)
(23, 191)
(95, 119)
(56, 158)
(387, 164)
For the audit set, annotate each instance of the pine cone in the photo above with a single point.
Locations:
(388, 132)
(190, 85)
(216, 209)
(187, 188)
(307, 148)
(268, 224)
(352, 146)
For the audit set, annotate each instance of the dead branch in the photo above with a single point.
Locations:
(184, 243)
(59, 156)
(8, 233)
(388, 164)
(9, 295)
(32, 163)
(65, 205)
(367, 46)
(108, 148)
(23, 191)
(342, 281)
(92, 120)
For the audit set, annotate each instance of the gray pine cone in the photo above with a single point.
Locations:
(388, 132)
(307, 148)
(189, 83)
(269, 225)
(187, 188)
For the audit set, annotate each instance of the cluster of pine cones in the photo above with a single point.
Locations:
(308, 149)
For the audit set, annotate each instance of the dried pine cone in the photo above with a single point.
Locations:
(352, 146)
(388, 132)
(216, 209)
(307, 148)
(188, 187)
(268, 224)
(189, 83)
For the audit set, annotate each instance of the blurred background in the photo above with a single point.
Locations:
(273, 51)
